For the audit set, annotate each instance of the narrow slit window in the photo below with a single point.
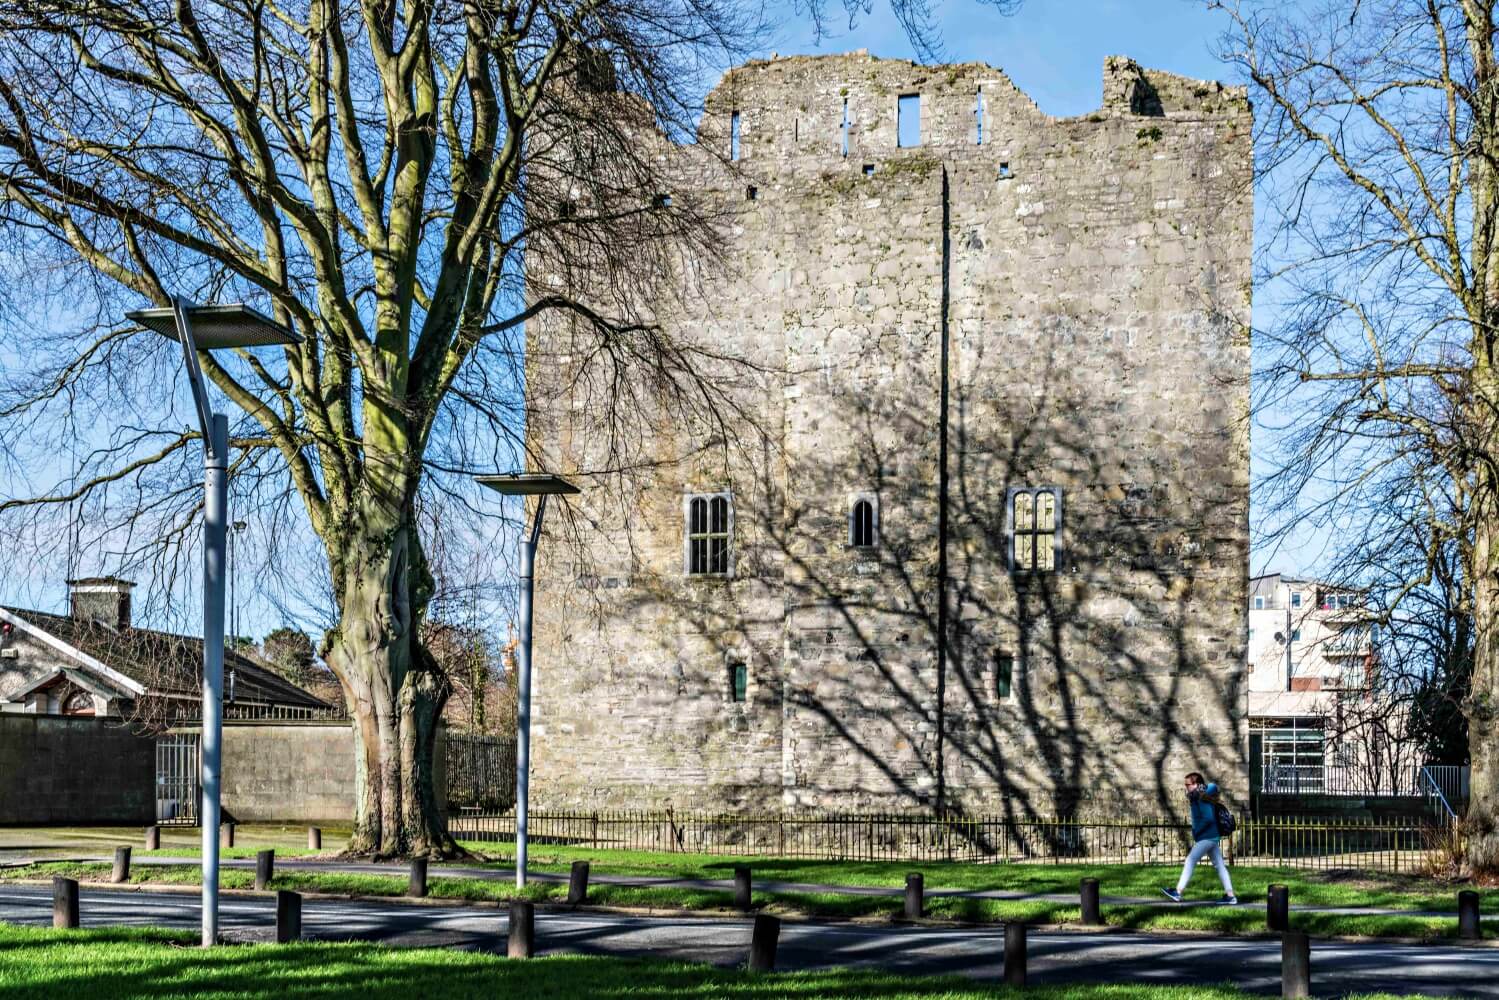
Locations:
(869, 170)
(908, 120)
(1004, 675)
(863, 525)
(708, 532)
(734, 136)
(751, 193)
(978, 118)
(1035, 530)
(738, 681)
(1004, 171)
(845, 126)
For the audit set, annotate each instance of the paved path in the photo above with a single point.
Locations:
(1053, 957)
(727, 885)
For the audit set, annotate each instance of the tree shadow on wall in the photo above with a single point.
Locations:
(1125, 664)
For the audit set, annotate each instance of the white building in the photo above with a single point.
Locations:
(1317, 724)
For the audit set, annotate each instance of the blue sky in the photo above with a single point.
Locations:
(1052, 50)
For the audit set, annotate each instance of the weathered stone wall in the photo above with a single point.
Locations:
(288, 771)
(1065, 304)
(295, 772)
(70, 769)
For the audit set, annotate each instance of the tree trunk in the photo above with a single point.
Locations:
(1482, 823)
(394, 688)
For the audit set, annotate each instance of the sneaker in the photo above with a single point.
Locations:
(1229, 900)
(1173, 895)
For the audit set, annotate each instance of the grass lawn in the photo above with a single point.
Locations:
(804, 904)
(1334, 887)
(36, 963)
(176, 841)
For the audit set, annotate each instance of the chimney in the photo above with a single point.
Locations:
(101, 599)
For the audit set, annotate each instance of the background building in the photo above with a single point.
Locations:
(1321, 723)
(95, 661)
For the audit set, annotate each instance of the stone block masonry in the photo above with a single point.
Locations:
(1016, 303)
(74, 770)
(297, 772)
(289, 772)
(78, 770)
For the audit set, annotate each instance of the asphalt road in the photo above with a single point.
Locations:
(1053, 957)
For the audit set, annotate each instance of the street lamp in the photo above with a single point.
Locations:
(206, 328)
(526, 485)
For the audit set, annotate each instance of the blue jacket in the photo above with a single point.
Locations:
(1204, 817)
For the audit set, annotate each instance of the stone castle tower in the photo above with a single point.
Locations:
(973, 534)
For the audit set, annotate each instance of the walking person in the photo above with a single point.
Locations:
(1209, 827)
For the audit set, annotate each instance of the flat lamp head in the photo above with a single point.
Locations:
(526, 484)
(217, 327)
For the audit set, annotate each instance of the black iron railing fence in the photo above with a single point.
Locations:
(1299, 842)
(480, 772)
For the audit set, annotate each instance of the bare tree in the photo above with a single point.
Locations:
(370, 174)
(1377, 145)
(917, 18)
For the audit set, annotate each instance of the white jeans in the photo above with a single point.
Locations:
(1202, 849)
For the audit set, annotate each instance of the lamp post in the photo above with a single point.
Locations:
(542, 486)
(206, 328)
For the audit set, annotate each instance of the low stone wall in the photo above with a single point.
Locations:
(74, 770)
(288, 772)
(295, 772)
(57, 769)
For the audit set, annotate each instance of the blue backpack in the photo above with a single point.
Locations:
(1225, 819)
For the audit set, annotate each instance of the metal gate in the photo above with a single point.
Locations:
(177, 789)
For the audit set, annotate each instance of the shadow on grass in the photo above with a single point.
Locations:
(54, 965)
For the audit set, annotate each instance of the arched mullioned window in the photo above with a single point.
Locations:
(709, 530)
(1035, 519)
(863, 524)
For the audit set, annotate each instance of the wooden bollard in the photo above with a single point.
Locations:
(121, 871)
(1278, 908)
(265, 869)
(64, 902)
(153, 838)
(1467, 915)
(915, 890)
(1088, 891)
(1014, 954)
(741, 887)
(226, 834)
(314, 839)
(577, 884)
(1295, 965)
(417, 885)
(763, 941)
(288, 916)
(521, 941)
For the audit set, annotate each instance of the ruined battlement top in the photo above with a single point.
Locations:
(852, 103)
